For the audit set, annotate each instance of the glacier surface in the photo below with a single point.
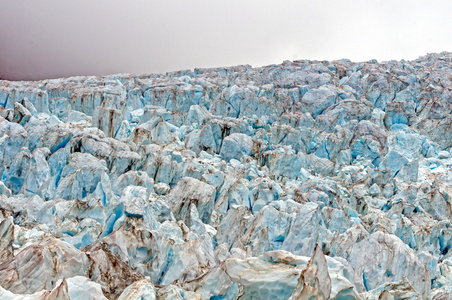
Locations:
(304, 180)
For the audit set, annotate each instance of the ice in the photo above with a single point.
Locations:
(329, 180)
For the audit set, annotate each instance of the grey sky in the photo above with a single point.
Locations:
(56, 38)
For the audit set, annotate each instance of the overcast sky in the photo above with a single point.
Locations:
(58, 38)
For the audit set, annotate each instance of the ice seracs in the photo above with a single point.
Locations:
(308, 179)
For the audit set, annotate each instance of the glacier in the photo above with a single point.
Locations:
(303, 180)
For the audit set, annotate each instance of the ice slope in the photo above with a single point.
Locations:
(330, 180)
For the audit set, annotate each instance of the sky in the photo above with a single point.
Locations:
(42, 39)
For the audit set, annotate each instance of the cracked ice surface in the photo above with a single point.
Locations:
(325, 180)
